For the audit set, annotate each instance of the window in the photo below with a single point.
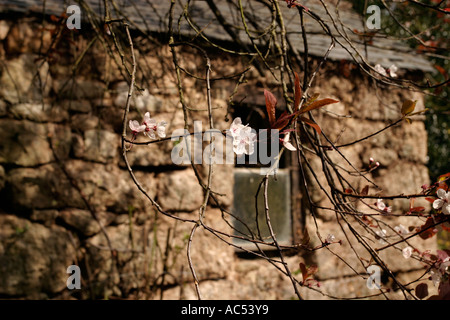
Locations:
(246, 183)
(247, 178)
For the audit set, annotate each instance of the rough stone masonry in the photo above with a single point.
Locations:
(60, 151)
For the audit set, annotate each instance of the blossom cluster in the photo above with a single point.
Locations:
(244, 137)
(382, 206)
(149, 127)
(443, 201)
(441, 269)
(392, 70)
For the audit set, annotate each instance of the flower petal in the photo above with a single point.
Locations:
(407, 252)
(441, 193)
(147, 117)
(135, 126)
(381, 205)
(447, 196)
(380, 69)
(392, 71)
(236, 126)
(161, 129)
(446, 209)
(289, 146)
(438, 203)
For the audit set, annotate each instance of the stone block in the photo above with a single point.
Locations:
(39, 112)
(26, 142)
(179, 191)
(45, 216)
(33, 258)
(157, 250)
(84, 222)
(152, 155)
(83, 122)
(108, 188)
(333, 262)
(100, 145)
(45, 187)
(19, 83)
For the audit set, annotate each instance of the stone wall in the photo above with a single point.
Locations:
(67, 198)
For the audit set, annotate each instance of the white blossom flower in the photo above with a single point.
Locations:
(407, 252)
(445, 267)
(392, 71)
(441, 268)
(443, 203)
(380, 69)
(286, 142)
(236, 126)
(382, 235)
(243, 137)
(243, 142)
(152, 127)
(382, 206)
(136, 127)
(330, 238)
(435, 276)
(400, 229)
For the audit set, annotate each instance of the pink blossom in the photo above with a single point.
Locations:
(382, 206)
(392, 71)
(286, 142)
(236, 126)
(243, 137)
(330, 238)
(243, 142)
(400, 229)
(380, 69)
(136, 127)
(152, 127)
(441, 269)
(407, 252)
(148, 127)
(443, 201)
(381, 236)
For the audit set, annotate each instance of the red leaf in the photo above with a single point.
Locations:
(282, 121)
(312, 270)
(317, 104)
(417, 209)
(311, 99)
(312, 124)
(422, 291)
(304, 271)
(306, 238)
(430, 199)
(427, 231)
(297, 92)
(271, 103)
(307, 272)
(364, 191)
